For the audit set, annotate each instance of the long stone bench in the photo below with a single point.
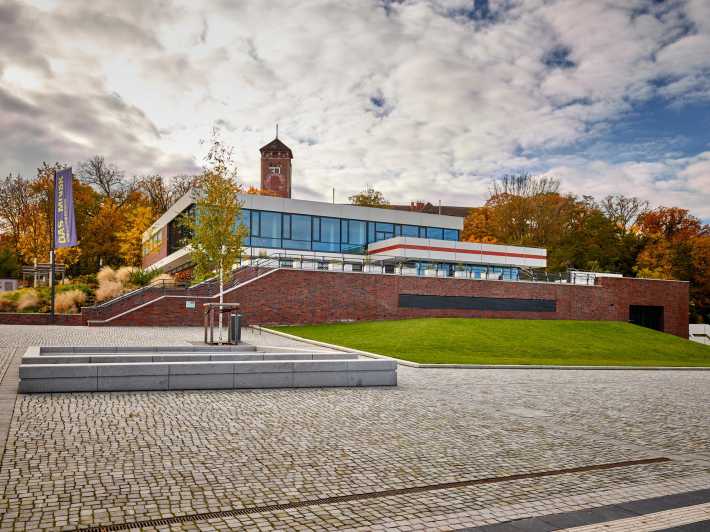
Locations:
(53, 350)
(105, 377)
(91, 358)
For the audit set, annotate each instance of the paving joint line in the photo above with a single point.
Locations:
(369, 495)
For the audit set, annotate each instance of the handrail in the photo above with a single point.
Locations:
(366, 264)
(161, 284)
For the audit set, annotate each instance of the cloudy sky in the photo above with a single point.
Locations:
(423, 99)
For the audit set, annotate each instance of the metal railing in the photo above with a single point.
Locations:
(432, 268)
(253, 267)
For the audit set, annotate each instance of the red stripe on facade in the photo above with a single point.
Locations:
(454, 250)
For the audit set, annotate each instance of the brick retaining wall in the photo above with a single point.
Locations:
(23, 318)
(297, 296)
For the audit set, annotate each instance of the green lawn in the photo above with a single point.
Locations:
(498, 341)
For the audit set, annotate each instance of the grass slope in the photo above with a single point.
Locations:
(502, 341)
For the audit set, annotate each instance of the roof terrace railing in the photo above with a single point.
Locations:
(430, 268)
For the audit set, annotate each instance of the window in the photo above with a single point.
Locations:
(286, 226)
(383, 231)
(451, 234)
(329, 238)
(266, 229)
(354, 236)
(435, 233)
(245, 220)
(152, 245)
(410, 230)
(300, 227)
(329, 230)
(320, 233)
(298, 235)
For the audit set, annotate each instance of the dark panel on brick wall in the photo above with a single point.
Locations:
(477, 303)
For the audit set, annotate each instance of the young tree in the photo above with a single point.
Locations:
(369, 198)
(215, 238)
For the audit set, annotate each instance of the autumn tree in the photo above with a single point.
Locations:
(670, 235)
(106, 178)
(215, 239)
(261, 192)
(477, 226)
(369, 198)
(130, 240)
(161, 193)
(623, 210)
(15, 195)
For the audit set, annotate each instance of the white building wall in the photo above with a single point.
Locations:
(424, 249)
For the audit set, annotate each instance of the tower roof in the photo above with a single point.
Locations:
(276, 145)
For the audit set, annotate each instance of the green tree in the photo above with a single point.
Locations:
(215, 238)
(369, 198)
(9, 267)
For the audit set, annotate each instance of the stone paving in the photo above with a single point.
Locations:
(653, 521)
(75, 460)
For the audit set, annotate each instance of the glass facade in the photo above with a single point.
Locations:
(304, 232)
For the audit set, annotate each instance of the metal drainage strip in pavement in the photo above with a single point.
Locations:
(369, 495)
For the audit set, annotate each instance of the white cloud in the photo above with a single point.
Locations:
(419, 99)
(682, 181)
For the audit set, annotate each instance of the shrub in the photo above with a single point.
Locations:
(28, 300)
(108, 290)
(7, 305)
(123, 274)
(143, 277)
(106, 274)
(69, 301)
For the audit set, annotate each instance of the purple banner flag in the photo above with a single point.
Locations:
(64, 224)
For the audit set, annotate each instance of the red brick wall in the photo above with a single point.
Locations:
(293, 296)
(20, 318)
(278, 185)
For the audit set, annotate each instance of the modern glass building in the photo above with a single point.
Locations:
(320, 233)
(304, 232)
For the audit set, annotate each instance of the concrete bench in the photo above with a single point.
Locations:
(54, 350)
(91, 358)
(205, 375)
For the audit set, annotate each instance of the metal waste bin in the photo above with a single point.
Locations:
(235, 329)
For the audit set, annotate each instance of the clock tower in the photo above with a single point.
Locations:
(276, 168)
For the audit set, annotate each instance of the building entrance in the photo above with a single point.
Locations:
(647, 316)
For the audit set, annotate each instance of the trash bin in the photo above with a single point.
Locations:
(235, 329)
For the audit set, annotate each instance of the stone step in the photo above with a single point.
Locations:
(55, 350)
(90, 358)
(38, 378)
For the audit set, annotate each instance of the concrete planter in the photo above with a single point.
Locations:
(461, 274)
(409, 271)
(430, 273)
(371, 268)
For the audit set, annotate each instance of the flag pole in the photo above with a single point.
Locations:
(51, 248)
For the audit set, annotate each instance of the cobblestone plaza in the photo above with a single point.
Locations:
(280, 459)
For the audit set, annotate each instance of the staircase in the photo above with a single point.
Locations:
(204, 292)
(107, 369)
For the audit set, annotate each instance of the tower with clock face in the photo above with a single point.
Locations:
(276, 168)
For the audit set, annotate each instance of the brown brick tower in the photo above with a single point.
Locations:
(276, 168)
